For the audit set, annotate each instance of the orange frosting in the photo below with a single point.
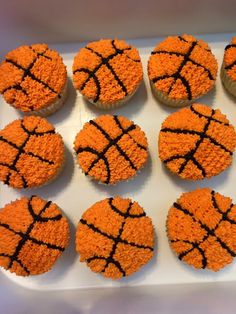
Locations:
(32, 77)
(201, 228)
(107, 70)
(111, 149)
(197, 142)
(182, 67)
(230, 59)
(33, 236)
(115, 237)
(31, 153)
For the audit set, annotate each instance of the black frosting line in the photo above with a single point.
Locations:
(21, 150)
(177, 74)
(104, 61)
(209, 232)
(25, 236)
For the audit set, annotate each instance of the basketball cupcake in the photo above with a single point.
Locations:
(201, 228)
(228, 69)
(33, 79)
(31, 153)
(107, 72)
(115, 237)
(181, 69)
(110, 149)
(197, 142)
(33, 235)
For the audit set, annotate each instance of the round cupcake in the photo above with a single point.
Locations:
(107, 72)
(197, 142)
(181, 69)
(31, 153)
(33, 236)
(33, 79)
(201, 228)
(228, 69)
(110, 149)
(115, 237)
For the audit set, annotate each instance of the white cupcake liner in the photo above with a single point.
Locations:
(228, 83)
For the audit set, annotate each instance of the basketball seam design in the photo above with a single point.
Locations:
(111, 142)
(177, 75)
(25, 236)
(27, 72)
(209, 232)
(117, 239)
(189, 156)
(21, 150)
(104, 61)
(230, 66)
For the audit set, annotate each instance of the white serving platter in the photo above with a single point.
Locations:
(154, 187)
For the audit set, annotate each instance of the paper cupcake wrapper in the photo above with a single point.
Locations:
(228, 83)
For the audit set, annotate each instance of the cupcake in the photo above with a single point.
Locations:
(33, 79)
(33, 236)
(196, 142)
(181, 69)
(228, 69)
(31, 153)
(115, 237)
(110, 149)
(107, 72)
(201, 228)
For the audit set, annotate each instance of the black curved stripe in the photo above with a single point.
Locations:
(116, 240)
(26, 236)
(185, 83)
(183, 39)
(34, 131)
(230, 66)
(162, 77)
(6, 226)
(116, 263)
(17, 260)
(207, 117)
(48, 245)
(27, 72)
(195, 245)
(179, 54)
(17, 87)
(122, 129)
(190, 155)
(230, 46)
(209, 232)
(100, 156)
(126, 214)
(21, 150)
(94, 77)
(114, 142)
(104, 61)
(177, 74)
(191, 132)
(41, 54)
(111, 237)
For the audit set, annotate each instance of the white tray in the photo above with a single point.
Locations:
(154, 188)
